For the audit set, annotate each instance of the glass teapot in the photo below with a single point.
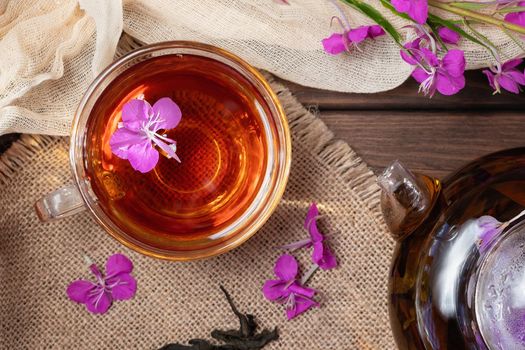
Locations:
(458, 274)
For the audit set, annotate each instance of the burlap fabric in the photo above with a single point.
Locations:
(179, 301)
(51, 49)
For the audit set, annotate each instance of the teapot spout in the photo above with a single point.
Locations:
(406, 199)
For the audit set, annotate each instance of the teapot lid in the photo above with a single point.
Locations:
(499, 300)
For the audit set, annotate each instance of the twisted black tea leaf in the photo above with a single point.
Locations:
(244, 338)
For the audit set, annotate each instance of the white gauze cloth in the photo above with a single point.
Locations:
(52, 49)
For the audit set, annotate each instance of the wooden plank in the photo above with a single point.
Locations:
(434, 143)
(476, 95)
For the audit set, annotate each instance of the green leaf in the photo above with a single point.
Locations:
(511, 9)
(467, 5)
(389, 6)
(376, 16)
(436, 21)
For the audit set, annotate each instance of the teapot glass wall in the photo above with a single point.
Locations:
(440, 252)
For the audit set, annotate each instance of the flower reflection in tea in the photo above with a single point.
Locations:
(138, 132)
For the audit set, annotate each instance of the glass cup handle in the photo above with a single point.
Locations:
(58, 204)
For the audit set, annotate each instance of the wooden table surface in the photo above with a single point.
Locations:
(434, 136)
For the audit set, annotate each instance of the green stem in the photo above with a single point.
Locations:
(477, 16)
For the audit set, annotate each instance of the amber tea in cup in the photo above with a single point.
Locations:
(232, 140)
(220, 141)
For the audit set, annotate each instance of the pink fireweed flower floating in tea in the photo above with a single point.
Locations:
(287, 290)
(138, 132)
(322, 255)
(506, 76)
(341, 42)
(118, 284)
(416, 9)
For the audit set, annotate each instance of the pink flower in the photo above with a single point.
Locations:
(416, 9)
(321, 255)
(139, 131)
(118, 284)
(445, 76)
(340, 42)
(287, 290)
(425, 39)
(517, 17)
(337, 43)
(506, 76)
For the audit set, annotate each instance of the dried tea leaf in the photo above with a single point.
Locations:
(244, 338)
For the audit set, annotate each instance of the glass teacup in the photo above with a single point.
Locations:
(233, 141)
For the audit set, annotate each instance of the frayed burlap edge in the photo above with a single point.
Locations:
(21, 152)
(308, 128)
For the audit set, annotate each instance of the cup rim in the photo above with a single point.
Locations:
(244, 233)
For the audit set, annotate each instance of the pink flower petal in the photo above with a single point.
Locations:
(358, 34)
(169, 112)
(454, 63)
(448, 35)
(334, 44)
(490, 77)
(401, 5)
(99, 303)
(274, 289)
(419, 75)
(286, 267)
(123, 286)
(297, 289)
(118, 263)
(429, 57)
(311, 215)
(418, 11)
(135, 113)
(143, 157)
(516, 18)
(375, 30)
(329, 260)
(164, 146)
(122, 139)
(508, 84)
(301, 305)
(517, 76)
(318, 252)
(448, 85)
(78, 291)
(413, 48)
(511, 64)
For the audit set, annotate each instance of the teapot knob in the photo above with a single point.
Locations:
(406, 199)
